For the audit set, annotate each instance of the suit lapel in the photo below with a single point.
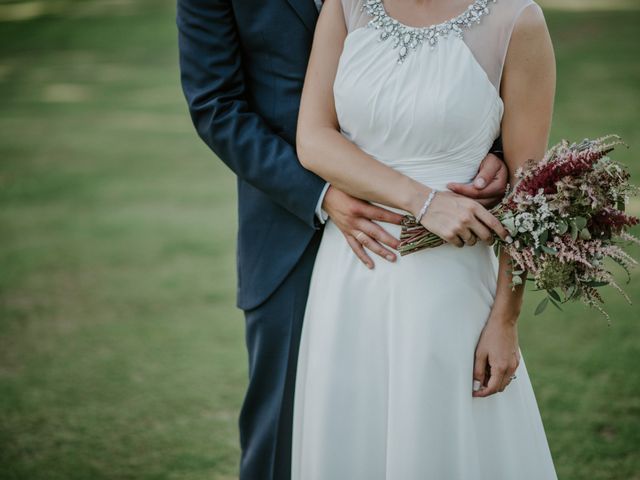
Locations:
(307, 11)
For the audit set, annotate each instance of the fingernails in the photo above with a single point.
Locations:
(476, 385)
(509, 239)
(391, 258)
(479, 182)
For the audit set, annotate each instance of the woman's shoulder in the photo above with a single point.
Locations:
(507, 11)
(529, 21)
(530, 15)
(518, 17)
(530, 46)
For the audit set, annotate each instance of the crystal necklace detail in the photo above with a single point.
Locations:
(409, 38)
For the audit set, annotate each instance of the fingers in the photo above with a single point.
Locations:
(471, 239)
(454, 239)
(482, 232)
(374, 212)
(496, 185)
(500, 376)
(491, 191)
(354, 221)
(511, 370)
(467, 190)
(466, 229)
(489, 184)
(490, 202)
(378, 233)
(495, 383)
(459, 236)
(488, 170)
(366, 241)
(459, 219)
(492, 223)
(358, 249)
(506, 380)
(479, 368)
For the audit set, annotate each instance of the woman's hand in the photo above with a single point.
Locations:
(460, 220)
(497, 356)
(527, 90)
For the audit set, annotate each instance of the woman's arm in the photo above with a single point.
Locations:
(322, 148)
(325, 151)
(528, 88)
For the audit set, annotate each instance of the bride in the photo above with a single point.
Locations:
(412, 370)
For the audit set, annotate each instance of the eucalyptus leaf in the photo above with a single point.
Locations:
(562, 227)
(553, 294)
(510, 225)
(585, 234)
(549, 250)
(544, 236)
(541, 306)
(574, 231)
(580, 222)
(555, 304)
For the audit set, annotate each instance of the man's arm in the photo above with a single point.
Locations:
(320, 211)
(489, 185)
(496, 148)
(213, 84)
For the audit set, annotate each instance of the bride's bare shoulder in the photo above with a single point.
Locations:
(530, 40)
(530, 22)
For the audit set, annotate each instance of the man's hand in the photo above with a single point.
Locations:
(488, 187)
(354, 219)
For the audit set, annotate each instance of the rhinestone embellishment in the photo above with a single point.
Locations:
(408, 38)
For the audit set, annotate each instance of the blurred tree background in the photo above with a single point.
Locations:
(121, 351)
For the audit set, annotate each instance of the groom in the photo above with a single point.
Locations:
(242, 68)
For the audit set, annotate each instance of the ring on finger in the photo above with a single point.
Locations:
(358, 236)
(471, 240)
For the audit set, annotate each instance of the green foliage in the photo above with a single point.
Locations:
(122, 355)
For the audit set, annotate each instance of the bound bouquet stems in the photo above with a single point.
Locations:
(566, 215)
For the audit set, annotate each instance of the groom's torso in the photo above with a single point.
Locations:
(275, 38)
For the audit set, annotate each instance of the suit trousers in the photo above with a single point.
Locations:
(273, 338)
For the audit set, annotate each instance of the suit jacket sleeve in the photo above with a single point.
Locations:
(496, 148)
(213, 84)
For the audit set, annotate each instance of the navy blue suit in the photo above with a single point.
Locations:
(242, 69)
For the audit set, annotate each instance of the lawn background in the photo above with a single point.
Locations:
(121, 352)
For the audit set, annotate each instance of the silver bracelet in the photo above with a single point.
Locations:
(427, 202)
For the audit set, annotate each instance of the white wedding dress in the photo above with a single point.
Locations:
(385, 368)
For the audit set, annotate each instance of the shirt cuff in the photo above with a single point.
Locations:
(320, 213)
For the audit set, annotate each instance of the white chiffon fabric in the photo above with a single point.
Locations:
(385, 368)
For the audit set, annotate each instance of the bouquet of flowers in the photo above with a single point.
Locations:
(566, 216)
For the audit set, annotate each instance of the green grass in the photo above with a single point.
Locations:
(121, 351)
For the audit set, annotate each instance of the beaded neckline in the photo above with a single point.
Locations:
(409, 38)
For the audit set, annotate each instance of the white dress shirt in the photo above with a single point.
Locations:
(320, 213)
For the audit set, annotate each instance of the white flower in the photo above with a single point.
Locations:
(524, 222)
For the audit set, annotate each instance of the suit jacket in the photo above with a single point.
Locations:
(242, 68)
